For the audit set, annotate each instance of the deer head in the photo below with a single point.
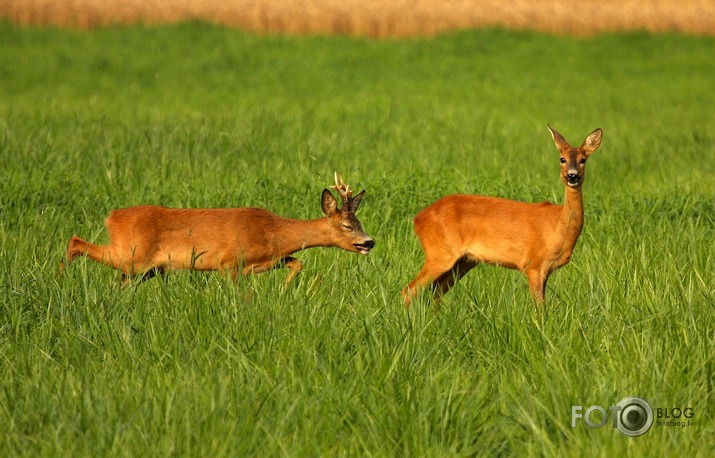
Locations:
(573, 160)
(348, 231)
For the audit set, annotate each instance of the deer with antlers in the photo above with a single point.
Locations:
(150, 240)
(459, 231)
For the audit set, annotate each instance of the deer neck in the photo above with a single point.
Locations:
(571, 219)
(293, 235)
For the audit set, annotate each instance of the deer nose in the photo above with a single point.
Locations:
(370, 244)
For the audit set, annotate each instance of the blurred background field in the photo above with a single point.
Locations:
(377, 18)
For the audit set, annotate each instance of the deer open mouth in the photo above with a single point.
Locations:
(364, 248)
(573, 180)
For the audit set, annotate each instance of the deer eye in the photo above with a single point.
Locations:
(347, 227)
(563, 160)
(583, 161)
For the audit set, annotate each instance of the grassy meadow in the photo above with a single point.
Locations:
(194, 115)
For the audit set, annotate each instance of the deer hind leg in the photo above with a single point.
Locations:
(447, 280)
(104, 254)
(434, 271)
(77, 247)
(98, 253)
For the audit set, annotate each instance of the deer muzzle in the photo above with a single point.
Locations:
(573, 178)
(364, 247)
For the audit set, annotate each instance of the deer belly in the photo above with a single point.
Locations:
(194, 257)
(500, 253)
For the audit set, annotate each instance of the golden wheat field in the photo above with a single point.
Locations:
(377, 18)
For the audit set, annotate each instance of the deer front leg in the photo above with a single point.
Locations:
(537, 284)
(294, 264)
(127, 279)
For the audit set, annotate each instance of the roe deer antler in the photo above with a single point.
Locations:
(346, 194)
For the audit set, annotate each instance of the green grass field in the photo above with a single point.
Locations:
(199, 116)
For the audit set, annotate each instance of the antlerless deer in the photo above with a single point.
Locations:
(459, 231)
(147, 240)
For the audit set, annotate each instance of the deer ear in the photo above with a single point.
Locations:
(355, 202)
(328, 203)
(559, 141)
(592, 142)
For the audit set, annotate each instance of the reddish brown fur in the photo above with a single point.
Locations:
(148, 239)
(459, 231)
